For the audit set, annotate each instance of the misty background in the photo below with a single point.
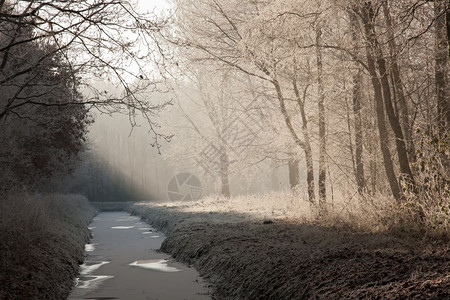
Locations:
(328, 99)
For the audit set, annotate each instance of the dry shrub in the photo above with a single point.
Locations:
(418, 219)
(417, 216)
(425, 212)
(366, 212)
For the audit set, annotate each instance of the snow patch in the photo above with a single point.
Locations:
(91, 266)
(90, 282)
(155, 264)
(89, 247)
(122, 227)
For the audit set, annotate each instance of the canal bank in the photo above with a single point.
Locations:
(250, 257)
(41, 244)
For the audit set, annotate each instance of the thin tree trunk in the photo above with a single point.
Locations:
(447, 15)
(322, 132)
(386, 93)
(360, 178)
(307, 143)
(373, 172)
(287, 118)
(397, 82)
(381, 122)
(442, 56)
(356, 97)
(288, 122)
(294, 171)
(224, 174)
(350, 136)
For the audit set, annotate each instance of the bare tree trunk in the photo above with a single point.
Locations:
(373, 172)
(350, 136)
(360, 178)
(294, 172)
(288, 122)
(356, 97)
(393, 119)
(287, 118)
(447, 15)
(322, 133)
(224, 174)
(381, 122)
(397, 82)
(368, 19)
(442, 56)
(307, 143)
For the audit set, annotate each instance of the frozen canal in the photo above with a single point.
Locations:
(122, 263)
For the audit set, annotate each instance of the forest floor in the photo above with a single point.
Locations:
(251, 256)
(42, 242)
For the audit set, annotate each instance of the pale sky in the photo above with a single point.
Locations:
(156, 5)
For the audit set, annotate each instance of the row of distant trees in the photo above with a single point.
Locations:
(50, 53)
(357, 91)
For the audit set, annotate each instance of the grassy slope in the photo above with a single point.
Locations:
(41, 244)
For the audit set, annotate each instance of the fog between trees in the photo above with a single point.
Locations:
(353, 94)
(330, 98)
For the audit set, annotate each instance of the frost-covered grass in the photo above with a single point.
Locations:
(42, 240)
(365, 211)
(369, 213)
(269, 205)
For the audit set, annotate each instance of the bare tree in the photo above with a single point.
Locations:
(97, 39)
(321, 115)
(276, 42)
(357, 109)
(397, 82)
(442, 54)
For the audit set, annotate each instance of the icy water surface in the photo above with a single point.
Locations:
(121, 262)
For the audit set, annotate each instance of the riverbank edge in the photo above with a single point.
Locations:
(245, 258)
(42, 254)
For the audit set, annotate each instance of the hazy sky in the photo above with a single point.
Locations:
(156, 5)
